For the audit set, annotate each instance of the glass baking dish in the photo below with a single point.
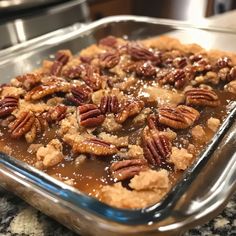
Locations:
(199, 195)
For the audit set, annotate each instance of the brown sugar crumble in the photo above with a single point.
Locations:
(121, 120)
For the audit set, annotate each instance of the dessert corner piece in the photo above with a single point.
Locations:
(121, 120)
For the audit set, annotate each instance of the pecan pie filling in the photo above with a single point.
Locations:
(122, 120)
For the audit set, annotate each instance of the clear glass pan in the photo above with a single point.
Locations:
(199, 195)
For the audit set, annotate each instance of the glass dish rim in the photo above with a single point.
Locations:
(81, 200)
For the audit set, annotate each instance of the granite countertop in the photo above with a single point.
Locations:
(17, 218)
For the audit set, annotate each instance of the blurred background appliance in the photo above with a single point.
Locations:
(21, 20)
(191, 10)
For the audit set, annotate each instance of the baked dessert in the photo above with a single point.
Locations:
(122, 120)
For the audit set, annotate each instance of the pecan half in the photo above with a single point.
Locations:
(227, 74)
(127, 169)
(202, 97)
(157, 148)
(145, 69)
(201, 65)
(180, 62)
(138, 52)
(195, 57)
(88, 73)
(176, 77)
(232, 74)
(131, 108)
(223, 62)
(42, 91)
(56, 68)
(86, 59)
(80, 95)
(109, 59)
(8, 105)
(94, 146)
(63, 56)
(29, 80)
(180, 117)
(61, 59)
(22, 124)
(109, 104)
(56, 113)
(153, 122)
(89, 115)
(109, 41)
(39, 126)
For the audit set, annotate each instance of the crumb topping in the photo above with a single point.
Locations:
(121, 119)
(50, 155)
(181, 158)
(213, 124)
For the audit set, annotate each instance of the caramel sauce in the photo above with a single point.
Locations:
(93, 173)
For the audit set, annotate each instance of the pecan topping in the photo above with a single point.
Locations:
(56, 68)
(109, 104)
(223, 62)
(232, 74)
(223, 74)
(61, 59)
(42, 91)
(180, 62)
(201, 65)
(176, 77)
(39, 126)
(157, 148)
(86, 59)
(8, 105)
(194, 58)
(74, 72)
(138, 52)
(131, 108)
(109, 59)
(22, 124)
(127, 169)
(153, 122)
(94, 146)
(57, 113)
(29, 80)
(80, 95)
(145, 69)
(180, 117)
(89, 115)
(88, 73)
(109, 41)
(202, 97)
(63, 56)
(227, 74)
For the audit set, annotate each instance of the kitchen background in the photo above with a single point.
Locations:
(21, 20)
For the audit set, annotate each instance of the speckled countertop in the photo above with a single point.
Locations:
(17, 218)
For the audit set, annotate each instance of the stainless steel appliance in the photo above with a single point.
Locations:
(25, 19)
(191, 10)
